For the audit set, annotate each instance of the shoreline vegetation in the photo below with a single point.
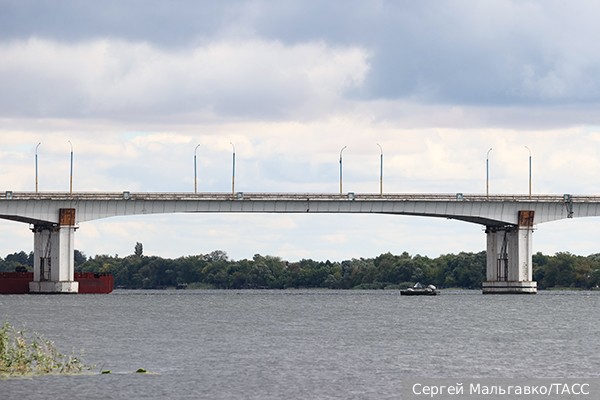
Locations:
(216, 270)
(21, 355)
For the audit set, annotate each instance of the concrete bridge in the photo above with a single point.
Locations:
(509, 221)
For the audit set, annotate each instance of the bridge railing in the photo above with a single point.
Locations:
(257, 196)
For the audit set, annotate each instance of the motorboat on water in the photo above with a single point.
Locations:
(420, 290)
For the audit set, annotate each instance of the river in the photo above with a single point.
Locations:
(301, 344)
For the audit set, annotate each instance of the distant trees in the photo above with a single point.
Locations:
(16, 260)
(23, 260)
(216, 270)
(567, 270)
(80, 258)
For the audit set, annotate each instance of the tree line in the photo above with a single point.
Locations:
(216, 270)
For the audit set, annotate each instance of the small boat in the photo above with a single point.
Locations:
(420, 290)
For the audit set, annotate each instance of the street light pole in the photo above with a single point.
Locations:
(341, 168)
(487, 174)
(71, 175)
(528, 149)
(36, 166)
(233, 174)
(380, 170)
(195, 171)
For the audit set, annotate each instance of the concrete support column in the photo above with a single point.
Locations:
(54, 259)
(509, 258)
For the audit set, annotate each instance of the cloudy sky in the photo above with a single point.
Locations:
(136, 85)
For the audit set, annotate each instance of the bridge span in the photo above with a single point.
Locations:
(509, 221)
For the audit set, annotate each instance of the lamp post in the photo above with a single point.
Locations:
(233, 174)
(341, 168)
(36, 166)
(380, 170)
(487, 173)
(71, 175)
(528, 149)
(195, 171)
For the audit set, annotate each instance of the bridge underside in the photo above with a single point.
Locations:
(508, 264)
(508, 220)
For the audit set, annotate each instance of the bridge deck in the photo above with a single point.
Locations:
(493, 210)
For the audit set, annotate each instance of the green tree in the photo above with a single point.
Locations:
(79, 258)
(138, 250)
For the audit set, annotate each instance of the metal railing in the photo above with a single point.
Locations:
(256, 196)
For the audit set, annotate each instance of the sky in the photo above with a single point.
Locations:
(137, 88)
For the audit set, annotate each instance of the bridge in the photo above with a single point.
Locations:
(509, 221)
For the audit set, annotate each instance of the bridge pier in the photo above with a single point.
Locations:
(53, 251)
(509, 258)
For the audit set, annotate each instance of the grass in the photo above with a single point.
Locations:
(23, 356)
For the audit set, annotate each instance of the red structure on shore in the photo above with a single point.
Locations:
(89, 282)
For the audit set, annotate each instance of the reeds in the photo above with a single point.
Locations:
(20, 355)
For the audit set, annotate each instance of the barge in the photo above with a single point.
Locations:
(89, 282)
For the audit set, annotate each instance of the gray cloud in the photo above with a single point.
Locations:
(456, 52)
(496, 53)
(172, 23)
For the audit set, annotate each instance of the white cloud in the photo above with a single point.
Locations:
(127, 80)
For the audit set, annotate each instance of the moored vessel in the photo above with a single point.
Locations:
(89, 282)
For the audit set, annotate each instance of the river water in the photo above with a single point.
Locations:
(302, 344)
